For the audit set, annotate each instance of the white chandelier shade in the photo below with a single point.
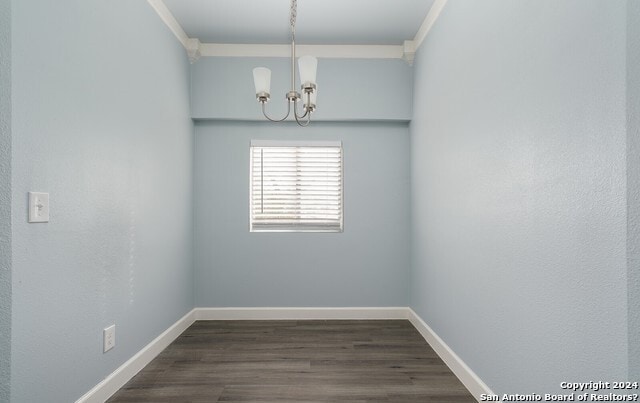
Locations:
(262, 80)
(308, 66)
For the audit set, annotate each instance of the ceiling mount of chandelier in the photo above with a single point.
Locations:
(307, 66)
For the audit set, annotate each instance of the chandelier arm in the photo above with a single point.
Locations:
(306, 113)
(307, 110)
(264, 112)
(299, 119)
(303, 123)
(295, 112)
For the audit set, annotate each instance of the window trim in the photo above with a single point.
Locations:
(296, 143)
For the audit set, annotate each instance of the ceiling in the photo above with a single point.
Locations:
(326, 22)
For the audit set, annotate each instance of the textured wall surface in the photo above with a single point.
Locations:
(348, 89)
(633, 183)
(5, 199)
(518, 181)
(366, 265)
(100, 122)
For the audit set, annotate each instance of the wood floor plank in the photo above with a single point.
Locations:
(297, 361)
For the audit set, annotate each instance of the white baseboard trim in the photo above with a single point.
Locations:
(112, 383)
(300, 313)
(118, 378)
(469, 379)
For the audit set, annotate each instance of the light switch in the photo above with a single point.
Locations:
(38, 207)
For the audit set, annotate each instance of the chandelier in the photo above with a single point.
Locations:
(307, 65)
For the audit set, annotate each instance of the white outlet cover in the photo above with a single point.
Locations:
(109, 338)
(38, 207)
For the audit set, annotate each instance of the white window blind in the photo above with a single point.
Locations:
(296, 186)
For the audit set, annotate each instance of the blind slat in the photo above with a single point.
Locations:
(297, 188)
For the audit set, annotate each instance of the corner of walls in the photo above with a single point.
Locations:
(5, 200)
(633, 184)
(193, 189)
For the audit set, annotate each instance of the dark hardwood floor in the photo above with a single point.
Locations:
(296, 361)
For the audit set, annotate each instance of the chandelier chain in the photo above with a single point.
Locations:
(294, 14)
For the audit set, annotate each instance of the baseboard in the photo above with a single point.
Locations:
(118, 378)
(111, 384)
(469, 379)
(300, 313)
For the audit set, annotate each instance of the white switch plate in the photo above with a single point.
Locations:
(109, 338)
(38, 207)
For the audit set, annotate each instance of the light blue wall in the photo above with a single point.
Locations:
(101, 122)
(348, 89)
(518, 181)
(367, 265)
(633, 182)
(5, 199)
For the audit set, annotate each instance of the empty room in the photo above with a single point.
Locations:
(319, 201)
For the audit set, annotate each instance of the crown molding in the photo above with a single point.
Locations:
(195, 49)
(324, 51)
(429, 21)
(409, 52)
(167, 17)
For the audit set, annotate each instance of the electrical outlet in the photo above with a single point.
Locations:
(109, 337)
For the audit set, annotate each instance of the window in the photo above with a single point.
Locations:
(296, 186)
